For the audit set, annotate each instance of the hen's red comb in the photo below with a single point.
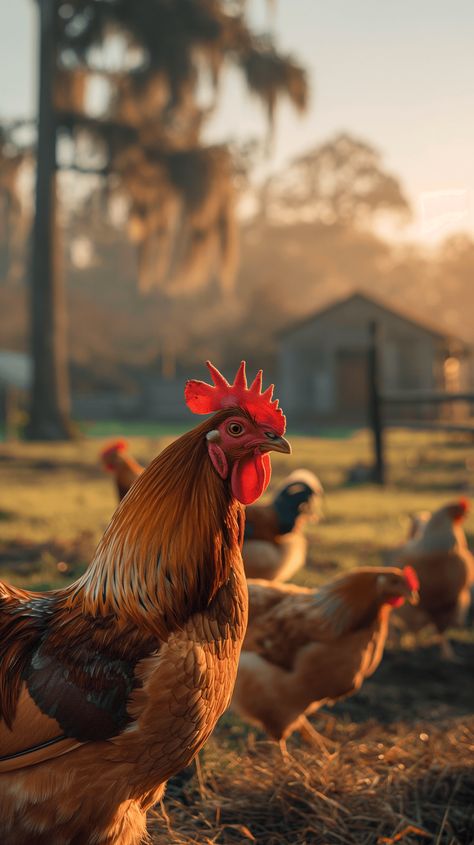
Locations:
(411, 578)
(464, 504)
(202, 398)
(117, 446)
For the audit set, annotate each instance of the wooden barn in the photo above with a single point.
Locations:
(323, 372)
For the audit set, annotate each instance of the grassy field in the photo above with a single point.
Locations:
(400, 753)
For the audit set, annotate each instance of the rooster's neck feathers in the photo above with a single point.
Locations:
(169, 546)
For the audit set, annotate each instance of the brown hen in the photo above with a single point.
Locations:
(439, 553)
(117, 460)
(305, 648)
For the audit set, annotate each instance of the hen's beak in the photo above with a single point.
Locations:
(414, 597)
(279, 444)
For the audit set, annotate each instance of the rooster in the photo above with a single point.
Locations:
(445, 567)
(111, 685)
(125, 469)
(305, 648)
(274, 544)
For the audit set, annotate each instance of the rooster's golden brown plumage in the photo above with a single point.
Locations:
(111, 685)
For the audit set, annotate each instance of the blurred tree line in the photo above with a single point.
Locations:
(125, 87)
(291, 264)
(129, 121)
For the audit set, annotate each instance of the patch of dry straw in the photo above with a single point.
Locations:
(375, 786)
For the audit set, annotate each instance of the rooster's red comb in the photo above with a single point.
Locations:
(202, 398)
(411, 578)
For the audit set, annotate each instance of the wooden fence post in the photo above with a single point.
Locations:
(375, 403)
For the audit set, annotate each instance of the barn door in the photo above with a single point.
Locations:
(352, 382)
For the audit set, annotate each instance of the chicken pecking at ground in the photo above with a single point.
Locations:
(117, 460)
(111, 685)
(305, 648)
(274, 545)
(438, 551)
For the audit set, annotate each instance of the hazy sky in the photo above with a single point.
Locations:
(399, 73)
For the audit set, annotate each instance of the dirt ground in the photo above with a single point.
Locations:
(413, 684)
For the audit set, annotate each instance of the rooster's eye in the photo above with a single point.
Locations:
(235, 429)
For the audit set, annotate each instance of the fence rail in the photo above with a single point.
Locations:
(433, 425)
(379, 400)
(420, 397)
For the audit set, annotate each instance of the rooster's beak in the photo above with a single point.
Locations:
(279, 444)
(414, 597)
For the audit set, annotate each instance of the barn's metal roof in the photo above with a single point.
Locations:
(15, 369)
(404, 314)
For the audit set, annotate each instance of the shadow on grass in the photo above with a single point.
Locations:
(26, 558)
(414, 684)
(80, 470)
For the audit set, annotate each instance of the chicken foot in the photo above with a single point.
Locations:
(310, 735)
(446, 650)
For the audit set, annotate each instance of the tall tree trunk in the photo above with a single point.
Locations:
(50, 404)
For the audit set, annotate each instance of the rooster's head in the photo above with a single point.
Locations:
(239, 443)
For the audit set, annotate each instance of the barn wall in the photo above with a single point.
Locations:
(316, 360)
